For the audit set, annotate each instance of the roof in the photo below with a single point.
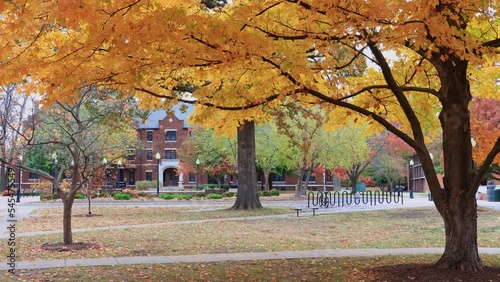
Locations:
(154, 117)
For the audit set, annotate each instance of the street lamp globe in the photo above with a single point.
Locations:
(158, 156)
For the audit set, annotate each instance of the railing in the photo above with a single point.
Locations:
(337, 198)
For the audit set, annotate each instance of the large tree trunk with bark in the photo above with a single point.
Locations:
(247, 197)
(457, 203)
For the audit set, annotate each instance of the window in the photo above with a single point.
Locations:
(170, 154)
(130, 154)
(149, 175)
(312, 178)
(171, 136)
(149, 135)
(277, 177)
(149, 154)
(34, 176)
(192, 177)
(131, 177)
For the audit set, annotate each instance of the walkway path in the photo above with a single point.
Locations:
(27, 205)
(234, 257)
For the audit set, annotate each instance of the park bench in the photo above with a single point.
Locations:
(299, 209)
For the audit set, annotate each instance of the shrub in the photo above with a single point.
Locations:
(104, 195)
(142, 194)
(184, 196)
(45, 196)
(265, 193)
(121, 196)
(167, 196)
(275, 192)
(228, 194)
(79, 196)
(214, 196)
(145, 185)
(131, 192)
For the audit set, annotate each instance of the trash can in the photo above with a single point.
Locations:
(496, 195)
(429, 196)
(360, 187)
(489, 191)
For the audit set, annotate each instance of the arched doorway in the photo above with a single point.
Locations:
(170, 178)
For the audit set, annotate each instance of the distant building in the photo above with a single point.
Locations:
(161, 135)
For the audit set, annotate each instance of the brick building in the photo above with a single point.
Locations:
(156, 159)
(161, 135)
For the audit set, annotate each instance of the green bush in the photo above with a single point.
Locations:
(214, 196)
(265, 193)
(121, 196)
(228, 194)
(79, 196)
(167, 196)
(145, 185)
(275, 192)
(175, 196)
(184, 196)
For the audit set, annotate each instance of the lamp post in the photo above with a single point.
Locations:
(105, 177)
(119, 174)
(197, 172)
(18, 198)
(158, 157)
(54, 158)
(410, 168)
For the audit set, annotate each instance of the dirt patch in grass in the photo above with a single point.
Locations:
(61, 247)
(430, 273)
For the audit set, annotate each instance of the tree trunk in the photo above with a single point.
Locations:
(67, 233)
(3, 178)
(354, 179)
(266, 180)
(247, 197)
(456, 202)
(298, 187)
(461, 238)
(308, 176)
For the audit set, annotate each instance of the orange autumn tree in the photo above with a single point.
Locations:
(485, 125)
(250, 56)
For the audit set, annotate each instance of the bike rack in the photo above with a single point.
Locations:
(337, 198)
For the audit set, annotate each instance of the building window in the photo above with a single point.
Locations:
(192, 177)
(131, 177)
(130, 154)
(34, 176)
(149, 135)
(171, 136)
(170, 154)
(312, 178)
(149, 175)
(277, 177)
(149, 154)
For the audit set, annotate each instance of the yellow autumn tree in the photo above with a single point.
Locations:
(248, 57)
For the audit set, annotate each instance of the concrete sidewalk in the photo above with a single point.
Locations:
(234, 257)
